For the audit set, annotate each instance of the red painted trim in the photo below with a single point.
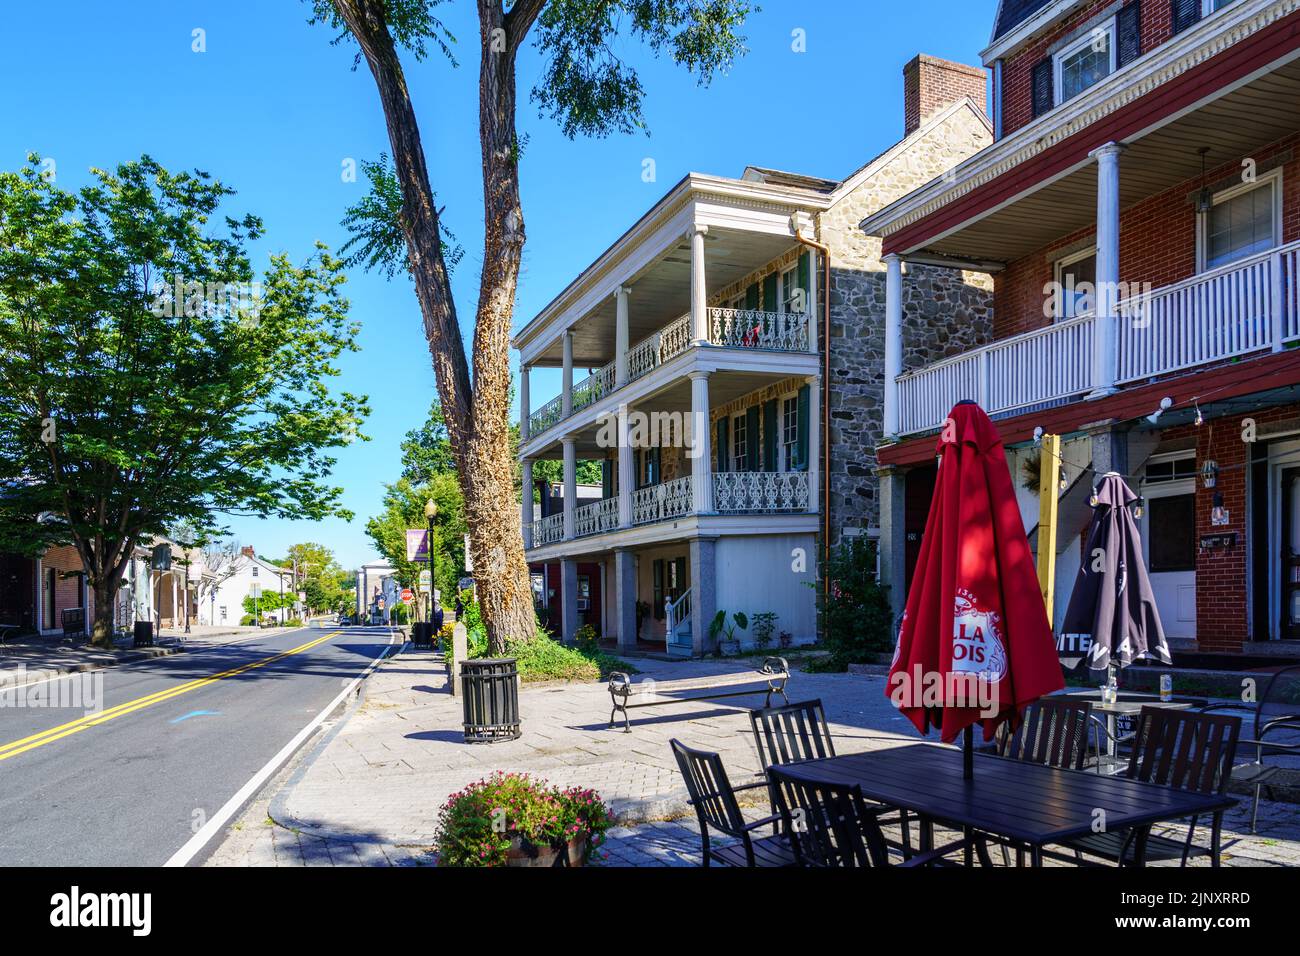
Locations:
(1275, 370)
(1240, 60)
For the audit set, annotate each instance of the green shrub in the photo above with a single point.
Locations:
(293, 622)
(541, 657)
(472, 830)
(857, 621)
(247, 620)
(587, 639)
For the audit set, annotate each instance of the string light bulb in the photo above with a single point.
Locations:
(1140, 507)
(1200, 419)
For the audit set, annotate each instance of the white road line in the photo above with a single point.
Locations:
(185, 854)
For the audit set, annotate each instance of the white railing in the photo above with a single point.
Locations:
(548, 530)
(755, 329)
(676, 613)
(664, 501)
(596, 518)
(594, 387)
(1244, 307)
(545, 417)
(760, 492)
(643, 357)
(675, 338)
(1233, 310)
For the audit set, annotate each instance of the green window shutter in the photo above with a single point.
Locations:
(681, 574)
(723, 452)
(769, 293)
(606, 478)
(1042, 83)
(751, 438)
(1128, 29)
(1186, 13)
(659, 589)
(751, 297)
(805, 276)
(653, 467)
(801, 440)
(637, 480)
(769, 435)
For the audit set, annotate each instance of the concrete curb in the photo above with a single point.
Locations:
(35, 674)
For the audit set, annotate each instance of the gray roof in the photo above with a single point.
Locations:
(1012, 13)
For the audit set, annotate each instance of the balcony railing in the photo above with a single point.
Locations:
(596, 518)
(728, 328)
(661, 502)
(760, 492)
(1244, 307)
(548, 530)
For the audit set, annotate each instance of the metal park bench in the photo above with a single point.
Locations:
(775, 672)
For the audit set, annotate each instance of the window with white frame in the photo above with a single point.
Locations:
(1209, 6)
(739, 443)
(1086, 62)
(1242, 221)
(793, 296)
(789, 432)
(1076, 284)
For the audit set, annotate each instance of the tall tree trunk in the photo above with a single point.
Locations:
(477, 415)
(104, 592)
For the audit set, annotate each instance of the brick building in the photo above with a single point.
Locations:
(1139, 216)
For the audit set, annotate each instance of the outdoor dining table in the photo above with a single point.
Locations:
(1031, 804)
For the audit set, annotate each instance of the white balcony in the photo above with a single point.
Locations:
(548, 530)
(664, 501)
(1246, 307)
(760, 492)
(596, 518)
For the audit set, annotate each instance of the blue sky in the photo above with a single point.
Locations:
(274, 111)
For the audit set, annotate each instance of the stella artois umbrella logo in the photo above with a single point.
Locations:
(977, 646)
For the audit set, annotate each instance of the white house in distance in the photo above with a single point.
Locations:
(749, 311)
(225, 603)
(375, 580)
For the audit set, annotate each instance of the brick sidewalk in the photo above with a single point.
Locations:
(369, 793)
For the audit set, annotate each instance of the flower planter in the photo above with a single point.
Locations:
(523, 852)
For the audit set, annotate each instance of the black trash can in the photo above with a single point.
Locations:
(420, 631)
(490, 689)
(143, 636)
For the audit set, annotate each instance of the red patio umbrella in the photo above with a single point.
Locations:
(975, 646)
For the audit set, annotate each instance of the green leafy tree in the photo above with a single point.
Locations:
(146, 380)
(404, 508)
(587, 88)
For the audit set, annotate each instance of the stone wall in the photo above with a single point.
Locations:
(946, 311)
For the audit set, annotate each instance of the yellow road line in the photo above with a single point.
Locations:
(16, 747)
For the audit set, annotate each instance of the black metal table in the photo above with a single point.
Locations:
(1028, 803)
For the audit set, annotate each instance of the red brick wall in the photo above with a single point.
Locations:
(1222, 598)
(1157, 243)
(67, 590)
(930, 84)
(1017, 86)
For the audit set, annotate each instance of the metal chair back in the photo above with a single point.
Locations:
(1184, 749)
(1279, 706)
(710, 789)
(791, 733)
(829, 824)
(1052, 732)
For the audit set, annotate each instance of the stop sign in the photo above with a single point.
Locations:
(407, 596)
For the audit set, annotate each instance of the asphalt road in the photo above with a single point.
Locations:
(173, 740)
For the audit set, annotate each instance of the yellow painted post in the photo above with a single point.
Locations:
(1049, 497)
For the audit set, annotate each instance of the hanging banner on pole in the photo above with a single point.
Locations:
(417, 544)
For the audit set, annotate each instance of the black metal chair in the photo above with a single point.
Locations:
(1277, 714)
(1183, 749)
(792, 733)
(831, 825)
(716, 808)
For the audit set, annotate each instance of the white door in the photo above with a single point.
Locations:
(1169, 542)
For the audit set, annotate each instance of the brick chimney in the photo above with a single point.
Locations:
(247, 551)
(930, 84)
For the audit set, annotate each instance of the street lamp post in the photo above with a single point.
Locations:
(430, 512)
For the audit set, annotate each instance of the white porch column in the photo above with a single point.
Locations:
(625, 598)
(568, 600)
(626, 471)
(814, 443)
(566, 387)
(1104, 344)
(621, 343)
(525, 407)
(526, 501)
(570, 485)
(893, 341)
(699, 287)
(702, 468)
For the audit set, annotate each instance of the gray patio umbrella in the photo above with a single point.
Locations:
(1112, 618)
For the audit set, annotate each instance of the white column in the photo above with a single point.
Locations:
(566, 402)
(525, 406)
(626, 471)
(570, 485)
(621, 343)
(175, 598)
(703, 465)
(526, 501)
(814, 442)
(699, 287)
(1104, 346)
(893, 340)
